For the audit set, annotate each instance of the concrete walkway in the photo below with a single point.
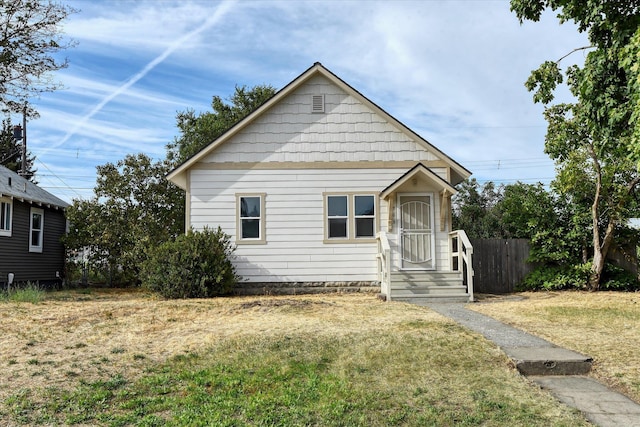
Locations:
(558, 370)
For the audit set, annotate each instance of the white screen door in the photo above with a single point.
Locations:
(416, 231)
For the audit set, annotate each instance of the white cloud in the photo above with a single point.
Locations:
(451, 70)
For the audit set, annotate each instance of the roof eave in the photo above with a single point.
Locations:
(418, 169)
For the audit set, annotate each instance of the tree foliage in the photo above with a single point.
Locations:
(134, 208)
(30, 38)
(198, 131)
(514, 211)
(474, 209)
(11, 152)
(594, 141)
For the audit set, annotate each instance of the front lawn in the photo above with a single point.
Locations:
(127, 358)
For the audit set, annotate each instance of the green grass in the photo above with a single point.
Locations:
(31, 293)
(418, 374)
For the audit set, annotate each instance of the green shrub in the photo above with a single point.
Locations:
(616, 278)
(195, 265)
(557, 277)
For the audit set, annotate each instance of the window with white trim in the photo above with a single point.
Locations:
(365, 216)
(350, 217)
(337, 217)
(5, 216)
(36, 230)
(250, 218)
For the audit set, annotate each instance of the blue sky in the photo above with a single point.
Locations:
(453, 71)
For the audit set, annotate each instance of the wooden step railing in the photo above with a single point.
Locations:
(461, 252)
(384, 264)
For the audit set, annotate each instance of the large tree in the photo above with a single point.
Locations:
(134, 208)
(596, 139)
(30, 39)
(11, 152)
(474, 209)
(197, 131)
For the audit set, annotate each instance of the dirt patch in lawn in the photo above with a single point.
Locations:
(97, 334)
(603, 325)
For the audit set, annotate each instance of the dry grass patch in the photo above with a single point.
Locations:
(603, 325)
(127, 358)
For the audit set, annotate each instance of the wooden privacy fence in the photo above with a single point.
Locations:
(499, 264)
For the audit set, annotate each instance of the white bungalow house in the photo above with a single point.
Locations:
(320, 187)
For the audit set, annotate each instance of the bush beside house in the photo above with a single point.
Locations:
(194, 265)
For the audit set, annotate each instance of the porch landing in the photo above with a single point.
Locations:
(424, 287)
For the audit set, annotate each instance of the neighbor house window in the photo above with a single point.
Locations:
(5, 217)
(250, 219)
(350, 217)
(36, 230)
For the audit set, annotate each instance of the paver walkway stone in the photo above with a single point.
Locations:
(553, 368)
(600, 405)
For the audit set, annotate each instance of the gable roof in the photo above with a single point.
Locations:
(14, 186)
(178, 175)
(417, 171)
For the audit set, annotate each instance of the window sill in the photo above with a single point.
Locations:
(350, 241)
(251, 242)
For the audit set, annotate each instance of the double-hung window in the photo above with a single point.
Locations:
(350, 217)
(250, 218)
(5, 216)
(365, 214)
(338, 217)
(36, 230)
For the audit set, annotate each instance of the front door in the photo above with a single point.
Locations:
(416, 231)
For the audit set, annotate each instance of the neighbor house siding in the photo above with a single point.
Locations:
(14, 251)
(347, 131)
(295, 248)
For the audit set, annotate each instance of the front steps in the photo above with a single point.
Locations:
(423, 287)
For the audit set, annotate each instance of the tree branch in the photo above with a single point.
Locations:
(574, 51)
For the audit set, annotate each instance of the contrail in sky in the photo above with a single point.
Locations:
(213, 19)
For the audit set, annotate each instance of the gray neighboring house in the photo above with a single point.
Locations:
(32, 221)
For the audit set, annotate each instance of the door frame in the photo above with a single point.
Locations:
(432, 240)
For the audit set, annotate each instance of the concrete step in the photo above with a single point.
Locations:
(421, 287)
(408, 290)
(548, 361)
(426, 278)
(430, 299)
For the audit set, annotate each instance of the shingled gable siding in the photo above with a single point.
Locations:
(14, 251)
(348, 131)
(295, 250)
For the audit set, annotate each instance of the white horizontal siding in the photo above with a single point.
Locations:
(294, 212)
(347, 131)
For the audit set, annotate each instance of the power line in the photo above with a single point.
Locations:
(59, 179)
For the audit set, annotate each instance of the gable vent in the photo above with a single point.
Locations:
(317, 104)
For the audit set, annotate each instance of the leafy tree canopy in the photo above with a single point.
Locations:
(198, 131)
(595, 140)
(516, 211)
(474, 209)
(134, 208)
(30, 37)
